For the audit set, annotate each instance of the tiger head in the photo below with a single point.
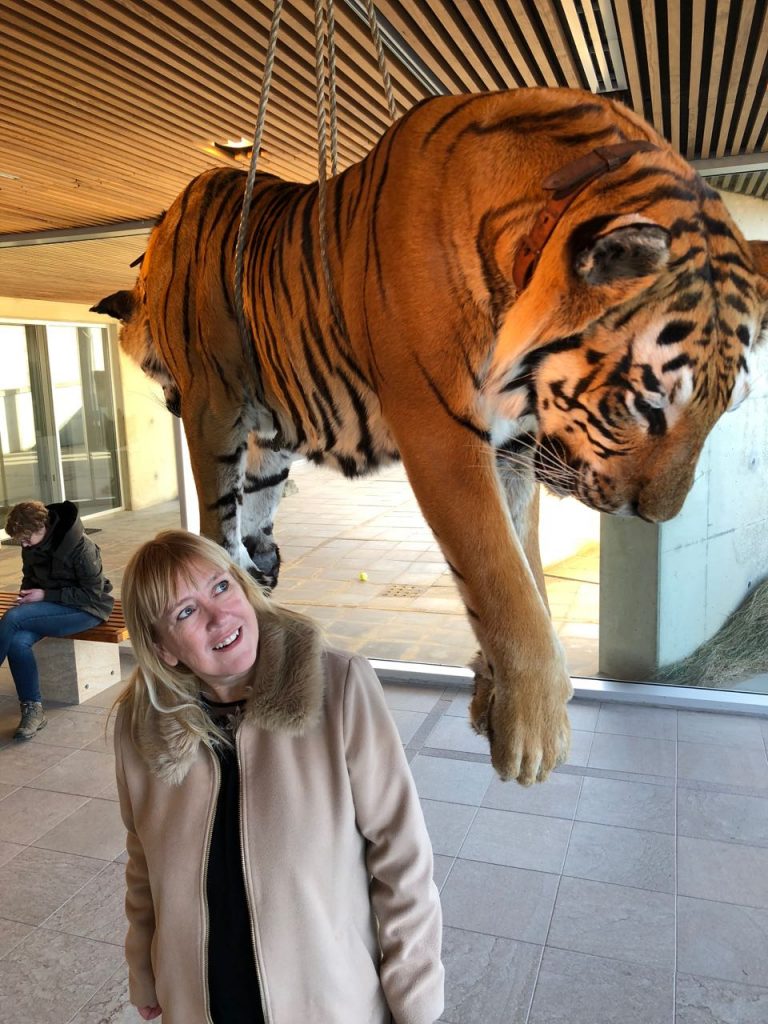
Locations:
(640, 330)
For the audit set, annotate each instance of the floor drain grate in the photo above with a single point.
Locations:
(402, 590)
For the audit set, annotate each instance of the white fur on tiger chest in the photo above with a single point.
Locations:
(506, 413)
(503, 430)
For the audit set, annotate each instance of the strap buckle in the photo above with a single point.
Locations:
(566, 183)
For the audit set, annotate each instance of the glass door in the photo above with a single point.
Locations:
(82, 410)
(57, 427)
(100, 433)
(25, 464)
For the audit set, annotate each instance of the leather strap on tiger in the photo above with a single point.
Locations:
(566, 184)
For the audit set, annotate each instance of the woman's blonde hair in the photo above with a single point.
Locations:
(150, 584)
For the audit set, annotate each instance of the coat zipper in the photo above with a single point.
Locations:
(206, 856)
(249, 900)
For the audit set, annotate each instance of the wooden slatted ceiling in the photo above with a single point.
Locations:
(111, 106)
(748, 183)
(81, 272)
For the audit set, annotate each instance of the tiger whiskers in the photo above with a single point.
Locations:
(559, 473)
(552, 459)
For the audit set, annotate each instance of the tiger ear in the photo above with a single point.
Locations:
(120, 305)
(631, 250)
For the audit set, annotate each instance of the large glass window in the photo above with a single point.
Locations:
(57, 428)
(82, 408)
(629, 600)
(19, 457)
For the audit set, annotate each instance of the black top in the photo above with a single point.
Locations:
(66, 564)
(233, 983)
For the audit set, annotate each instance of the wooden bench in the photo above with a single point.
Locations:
(76, 668)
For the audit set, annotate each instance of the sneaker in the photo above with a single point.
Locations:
(32, 720)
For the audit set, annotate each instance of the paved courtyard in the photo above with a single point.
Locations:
(406, 607)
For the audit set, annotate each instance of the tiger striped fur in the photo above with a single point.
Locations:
(601, 378)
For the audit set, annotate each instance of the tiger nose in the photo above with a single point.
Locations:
(635, 509)
(657, 504)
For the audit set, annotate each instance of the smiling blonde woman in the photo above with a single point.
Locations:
(279, 868)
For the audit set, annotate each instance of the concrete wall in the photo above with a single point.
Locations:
(666, 589)
(145, 428)
(566, 527)
(750, 214)
(149, 441)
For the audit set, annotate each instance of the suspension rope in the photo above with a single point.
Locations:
(324, 14)
(373, 24)
(332, 87)
(322, 158)
(266, 423)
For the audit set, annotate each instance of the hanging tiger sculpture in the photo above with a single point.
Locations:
(531, 286)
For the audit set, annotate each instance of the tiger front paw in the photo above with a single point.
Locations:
(529, 736)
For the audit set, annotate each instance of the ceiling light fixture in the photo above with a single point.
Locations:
(236, 148)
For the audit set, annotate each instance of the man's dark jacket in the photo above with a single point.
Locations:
(67, 564)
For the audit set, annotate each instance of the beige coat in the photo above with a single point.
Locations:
(338, 866)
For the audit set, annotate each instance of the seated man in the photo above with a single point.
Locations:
(63, 591)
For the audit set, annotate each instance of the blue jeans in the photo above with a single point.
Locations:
(23, 626)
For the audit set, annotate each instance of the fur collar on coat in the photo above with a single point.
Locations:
(286, 695)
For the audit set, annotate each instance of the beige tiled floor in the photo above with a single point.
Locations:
(630, 888)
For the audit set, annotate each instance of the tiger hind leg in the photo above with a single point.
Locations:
(237, 501)
(265, 474)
